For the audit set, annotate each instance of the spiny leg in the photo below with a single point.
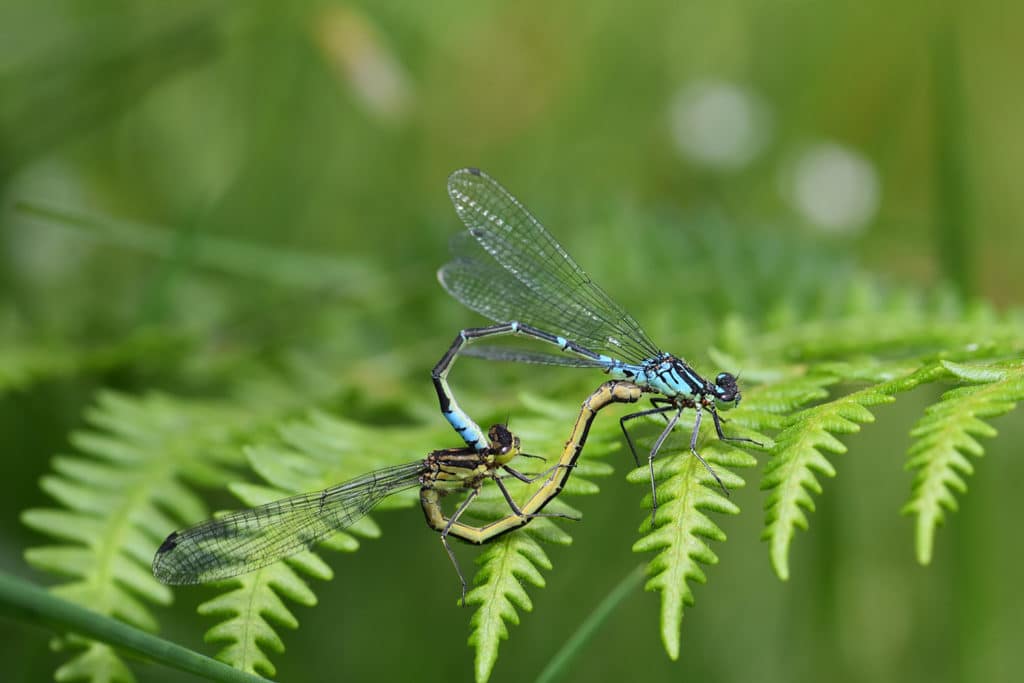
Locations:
(650, 460)
(526, 478)
(447, 548)
(632, 416)
(718, 428)
(693, 445)
(516, 509)
(663, 401)
(532, 477)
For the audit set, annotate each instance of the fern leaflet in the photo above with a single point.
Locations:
(250, 634)
(797, 457)
(114, 498)
(516, 560)
(505, 567)
(946, 436)
(311, 454)
(681, 529)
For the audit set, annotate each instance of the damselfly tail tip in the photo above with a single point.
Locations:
(169, 544)
(458, 173)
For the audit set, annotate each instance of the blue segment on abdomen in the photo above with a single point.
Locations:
(467, 429)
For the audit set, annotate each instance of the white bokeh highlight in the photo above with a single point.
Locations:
(718, 124)
(833, 187)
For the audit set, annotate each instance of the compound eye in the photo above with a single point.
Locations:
(726, 385)
(501, 438)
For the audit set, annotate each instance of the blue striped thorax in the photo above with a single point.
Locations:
(673, 378)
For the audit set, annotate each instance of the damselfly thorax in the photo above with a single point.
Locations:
(508, 268)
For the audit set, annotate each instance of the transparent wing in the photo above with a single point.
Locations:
(528, 276)
(248, 540)
(493, 292)
(501, 353)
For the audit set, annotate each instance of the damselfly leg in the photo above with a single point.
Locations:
(510, 269)
(430, 498)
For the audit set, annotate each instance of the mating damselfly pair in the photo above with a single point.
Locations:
(508, 268)
(248, 540)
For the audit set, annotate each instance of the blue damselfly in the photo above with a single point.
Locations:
(508, 268)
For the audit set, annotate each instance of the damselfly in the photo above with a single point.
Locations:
(508, 268)
(247, 540)
(608, 393)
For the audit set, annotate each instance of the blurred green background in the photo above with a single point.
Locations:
(698, 158)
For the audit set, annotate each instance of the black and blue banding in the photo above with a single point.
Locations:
(459, 420)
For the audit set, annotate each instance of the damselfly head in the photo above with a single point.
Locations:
(502, 440)
(726, 389)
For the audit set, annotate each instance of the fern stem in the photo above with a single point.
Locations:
(28, 603)
(556, 667)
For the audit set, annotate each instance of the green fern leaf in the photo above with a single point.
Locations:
(250, 632)
(511, 563)
(98, 663)
(798, 457)
(505, 567)
(686, 491)
(311, 454)
(115, 497)
(878, 322)
(946, 436)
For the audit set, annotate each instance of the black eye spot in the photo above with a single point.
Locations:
(725, 384)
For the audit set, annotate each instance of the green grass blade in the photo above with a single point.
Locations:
(578, 640)
(25, 602)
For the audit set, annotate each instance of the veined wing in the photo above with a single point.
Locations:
(475, 279)
(501, 353)
(248, 540)
(542, 285)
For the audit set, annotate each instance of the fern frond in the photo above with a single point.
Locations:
(505, 567)
(310, 454)
(511, 563)
(250, 632)
(798, 457)
(115, 497)
(945, 437)
(686, 491)
(899, 325)
(97, 662)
